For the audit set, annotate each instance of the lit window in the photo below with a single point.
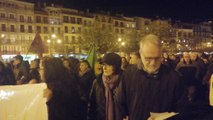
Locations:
(127, 25)
(73, 30)
(133, 26)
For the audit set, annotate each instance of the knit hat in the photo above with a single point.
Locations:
(112, 59)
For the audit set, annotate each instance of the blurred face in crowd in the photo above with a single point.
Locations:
(165, 55)
(83, 66)
(124, 61)
(33, 64)
(98, 68)
(108, 70)
(193, 56)
(151, 57)
(186, 57)
(16, 62)
(133, 59)
(172, 57)
(66, 64)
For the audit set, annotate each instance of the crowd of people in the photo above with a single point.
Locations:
(118, 88)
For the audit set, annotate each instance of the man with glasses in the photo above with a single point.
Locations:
(149, 86)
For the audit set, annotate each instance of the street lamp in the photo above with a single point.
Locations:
(48, 41)
(119, 39)
(49, 49)
(123, 43)
(209, 44)
(53, 36)
(2, 35)
(58, 41)
(51, 42)
(1, 40)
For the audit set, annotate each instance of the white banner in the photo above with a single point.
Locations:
(211, 91)
(23, 102)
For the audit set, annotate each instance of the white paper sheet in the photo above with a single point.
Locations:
(161, 116)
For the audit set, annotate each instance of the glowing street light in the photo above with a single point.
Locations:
(52, 43)
(53, 36)
(123, 43)
(184, 41)
(209, 44)
(48, 41)
(119, 39)
(2, 35)
(59, 41)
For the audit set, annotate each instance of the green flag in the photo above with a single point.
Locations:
(91, 58)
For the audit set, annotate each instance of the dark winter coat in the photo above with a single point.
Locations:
(34, 74)
(140, 93)
(85, 83)
(64, 105)
(97, 101)
(22, 73)
(7, 78)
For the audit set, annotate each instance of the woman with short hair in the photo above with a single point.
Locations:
(102, 104)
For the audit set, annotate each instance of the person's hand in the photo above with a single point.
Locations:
(47, 93)
(19, 82)
(33, 81)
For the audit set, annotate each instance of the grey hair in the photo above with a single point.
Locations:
(150, 38)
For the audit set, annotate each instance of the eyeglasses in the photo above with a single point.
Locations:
(149, 59)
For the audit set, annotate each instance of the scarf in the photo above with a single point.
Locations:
(109, 84)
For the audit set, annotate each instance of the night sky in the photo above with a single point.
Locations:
(184, 10)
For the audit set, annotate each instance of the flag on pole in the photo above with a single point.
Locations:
(91, 58)
(37, 45)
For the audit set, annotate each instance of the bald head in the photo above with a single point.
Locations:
(150, 39)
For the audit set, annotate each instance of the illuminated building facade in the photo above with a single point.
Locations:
(61, 28)
(17, 26)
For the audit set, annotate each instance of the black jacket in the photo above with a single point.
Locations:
(23, 72)
(97, 101)
(140, 93)
(85, 83)
(64, 105)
